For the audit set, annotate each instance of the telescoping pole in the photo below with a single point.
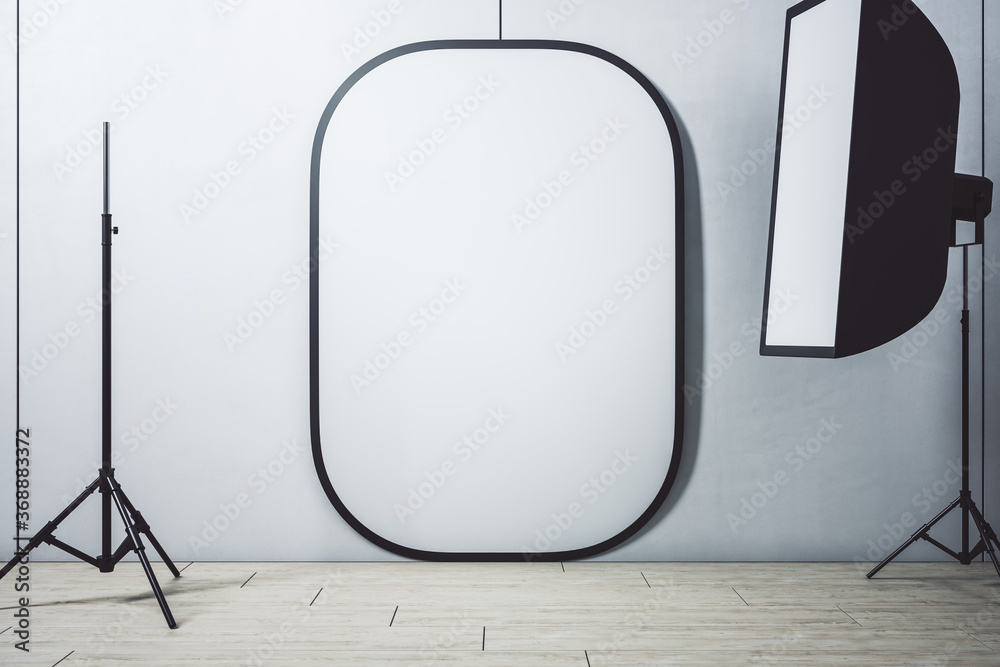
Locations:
(106, 559)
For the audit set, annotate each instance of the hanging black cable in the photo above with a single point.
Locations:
(17, 242)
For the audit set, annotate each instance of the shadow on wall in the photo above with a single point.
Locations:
(693, 341)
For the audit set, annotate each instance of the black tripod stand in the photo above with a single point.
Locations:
(973, 201)
(111, 491)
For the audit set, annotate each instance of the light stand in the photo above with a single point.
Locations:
(110, 490)
(973, 200)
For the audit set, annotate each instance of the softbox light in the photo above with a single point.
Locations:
(861, 215)
(866, 199)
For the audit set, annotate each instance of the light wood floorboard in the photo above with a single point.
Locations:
(510, 614)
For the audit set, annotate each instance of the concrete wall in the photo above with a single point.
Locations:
(196, 420)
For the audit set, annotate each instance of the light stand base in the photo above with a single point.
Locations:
(135, 525)
(987, 541)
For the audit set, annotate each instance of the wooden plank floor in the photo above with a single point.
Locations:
(520, 615)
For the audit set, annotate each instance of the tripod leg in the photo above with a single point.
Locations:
(49, 528)
(159, 549)
(20, 553)
(140, 551)
(916, 536)
(143, 527)
(986, 533)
